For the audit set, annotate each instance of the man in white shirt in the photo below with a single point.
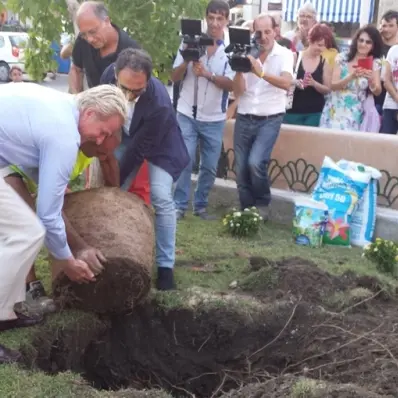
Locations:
(42, 129)
(262, 105)
(390, 107)
(214, 82)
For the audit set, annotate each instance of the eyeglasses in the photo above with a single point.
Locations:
(129, 91)
(306, 16)
(365, 41)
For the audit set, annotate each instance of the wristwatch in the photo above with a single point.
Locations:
(212, 77)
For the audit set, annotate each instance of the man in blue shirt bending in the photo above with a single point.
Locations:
(151, 132)
(42, 129)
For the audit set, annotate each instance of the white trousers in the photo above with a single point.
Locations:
(21, 238)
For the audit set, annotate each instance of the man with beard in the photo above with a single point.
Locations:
(389, 34)
(261, 108)
(151, 132)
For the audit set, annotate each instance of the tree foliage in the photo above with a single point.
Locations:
(154, 24)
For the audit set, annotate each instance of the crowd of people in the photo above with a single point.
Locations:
(127, 121)
(354, 89)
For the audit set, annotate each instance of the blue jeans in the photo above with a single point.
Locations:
(161, 184)
(210, 136)
(254, 140)
(389, 122)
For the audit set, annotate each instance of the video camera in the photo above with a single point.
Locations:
(241, 45)
(195, 41)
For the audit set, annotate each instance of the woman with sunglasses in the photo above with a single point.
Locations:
(356, 76)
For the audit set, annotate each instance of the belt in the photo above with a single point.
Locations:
(257, 117)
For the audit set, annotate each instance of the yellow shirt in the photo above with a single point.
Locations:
(330, 55)
(82, 162)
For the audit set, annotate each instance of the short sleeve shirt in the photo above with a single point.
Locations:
(392, 59)
(88, 58)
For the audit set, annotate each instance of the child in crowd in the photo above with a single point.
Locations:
(16, 74)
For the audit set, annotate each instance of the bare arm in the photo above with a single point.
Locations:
(337, 82)
(231, 111)
(375, 83)
(238, 84)
(110, 171)
(324, 88)
(388, 83)
(178, 73)
(66, 51)
(75, 79)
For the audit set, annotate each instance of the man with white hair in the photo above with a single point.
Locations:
(306, 19)
(42, 129)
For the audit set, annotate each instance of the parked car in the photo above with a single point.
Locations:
(11, 52)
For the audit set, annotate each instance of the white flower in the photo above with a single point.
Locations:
(231, 224)
(246, 209)
(255, 219)
(237, 214)
(376, 249)
(367, 247)
(238, 225)
(260, 218)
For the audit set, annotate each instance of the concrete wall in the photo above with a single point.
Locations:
(299, 152)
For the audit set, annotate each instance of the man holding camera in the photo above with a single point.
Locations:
(214, 81)
(262, 105)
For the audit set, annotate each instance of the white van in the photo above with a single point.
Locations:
(11, 52)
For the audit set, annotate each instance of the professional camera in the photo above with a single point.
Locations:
(195, 41)
(241, 45)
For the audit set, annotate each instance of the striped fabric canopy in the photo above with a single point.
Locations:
(328, 10)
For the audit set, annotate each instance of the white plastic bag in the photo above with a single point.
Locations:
(363, 221)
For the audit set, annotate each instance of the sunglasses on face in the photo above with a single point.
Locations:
(135, 93)
(365, 41)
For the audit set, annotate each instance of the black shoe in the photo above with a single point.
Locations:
(165, 279)
(22, 321)
(8, 356)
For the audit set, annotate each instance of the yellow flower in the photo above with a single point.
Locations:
(378, 240)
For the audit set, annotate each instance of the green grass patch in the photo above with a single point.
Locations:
(209, 261)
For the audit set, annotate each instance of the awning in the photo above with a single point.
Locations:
(332, 10)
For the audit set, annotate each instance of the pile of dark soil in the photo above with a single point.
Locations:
(256, 347)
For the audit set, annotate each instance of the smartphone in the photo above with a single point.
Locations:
(366, 63)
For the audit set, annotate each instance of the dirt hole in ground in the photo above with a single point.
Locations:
(209, 344)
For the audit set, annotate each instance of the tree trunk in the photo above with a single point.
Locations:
(122, 226)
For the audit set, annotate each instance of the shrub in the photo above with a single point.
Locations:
(384, 254)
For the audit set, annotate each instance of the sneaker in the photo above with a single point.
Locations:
(37, 302)
(180, 214)
(204, 215)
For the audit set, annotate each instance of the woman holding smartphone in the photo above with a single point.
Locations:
(356, 76)
(313, 79)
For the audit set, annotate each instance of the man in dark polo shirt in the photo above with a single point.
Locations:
(151, 132)
(97, 45)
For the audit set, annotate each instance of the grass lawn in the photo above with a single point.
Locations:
(205, 258)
